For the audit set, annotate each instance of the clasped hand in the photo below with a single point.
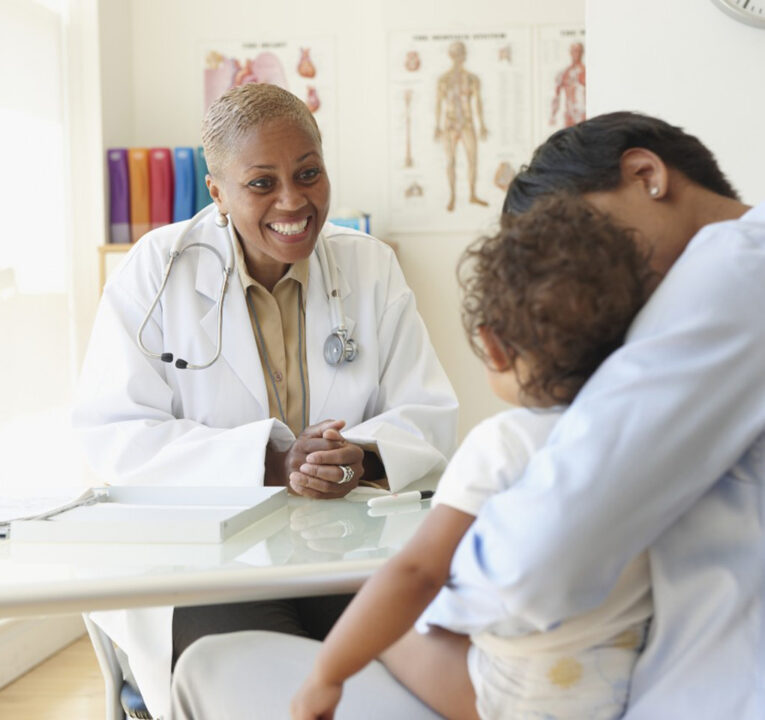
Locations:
(312, 464)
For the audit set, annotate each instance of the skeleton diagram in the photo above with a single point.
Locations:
(457, 91)
(571, 82)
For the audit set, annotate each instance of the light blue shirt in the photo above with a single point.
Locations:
(663, 449)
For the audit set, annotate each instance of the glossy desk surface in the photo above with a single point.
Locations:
(310, 547)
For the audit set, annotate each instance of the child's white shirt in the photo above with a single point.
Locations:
(493, 456)
(490, 460)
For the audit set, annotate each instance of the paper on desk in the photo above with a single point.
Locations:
(26, 508)
(133, 514)
(15, 508)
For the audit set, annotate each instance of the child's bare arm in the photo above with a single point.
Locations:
(385, 608)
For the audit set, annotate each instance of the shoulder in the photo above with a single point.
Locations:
(156, 244)
(516, 433)
(517, 427)
(729, 237)
(364, 259)
(347, 243)
(146, 260)
(493, 456)
(716, 280)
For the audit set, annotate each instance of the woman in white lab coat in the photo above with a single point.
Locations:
(241, 420)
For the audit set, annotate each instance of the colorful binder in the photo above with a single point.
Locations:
(161, 186)
(352, 219)
(203, 194)
(119, 195)
(140, 217)
(183, 207)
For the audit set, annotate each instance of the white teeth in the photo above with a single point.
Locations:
(289, 228)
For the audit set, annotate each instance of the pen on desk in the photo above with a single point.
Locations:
(400, 498)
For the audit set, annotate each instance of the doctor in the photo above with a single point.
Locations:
(271, 409)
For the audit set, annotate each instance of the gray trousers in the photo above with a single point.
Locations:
(253, 676)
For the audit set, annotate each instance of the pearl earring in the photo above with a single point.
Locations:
(654, 191)
(221, 220)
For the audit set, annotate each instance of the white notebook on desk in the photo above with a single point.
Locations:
(154, 515)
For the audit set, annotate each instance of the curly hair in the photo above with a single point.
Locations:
(558, 286)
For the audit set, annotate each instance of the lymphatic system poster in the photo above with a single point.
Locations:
(461, 119)
(560, 79)
(305, 67)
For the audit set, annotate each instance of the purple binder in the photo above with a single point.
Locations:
(119, 195)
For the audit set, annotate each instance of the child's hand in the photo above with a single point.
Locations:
(316, 700)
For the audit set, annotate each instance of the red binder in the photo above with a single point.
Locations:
(161, 186)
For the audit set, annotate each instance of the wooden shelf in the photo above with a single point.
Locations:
(103, 251)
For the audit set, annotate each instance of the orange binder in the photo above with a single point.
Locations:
(140, 204)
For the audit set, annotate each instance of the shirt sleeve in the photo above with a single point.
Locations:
(413, 419)
(491, 458)
(661, 420)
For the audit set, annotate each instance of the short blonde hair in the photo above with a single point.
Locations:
(243, 108)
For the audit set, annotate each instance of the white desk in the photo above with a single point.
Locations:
(307, 548)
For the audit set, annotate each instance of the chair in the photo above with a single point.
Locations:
(122, 699)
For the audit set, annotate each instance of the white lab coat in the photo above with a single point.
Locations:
(145, 422)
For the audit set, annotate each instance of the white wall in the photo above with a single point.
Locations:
(166, 109)
(690, 64)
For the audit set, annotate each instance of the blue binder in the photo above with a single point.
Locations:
(184, 203)
(203, 194)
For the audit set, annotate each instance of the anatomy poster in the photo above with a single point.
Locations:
(460, 126)
(561, 79)
(304, 66)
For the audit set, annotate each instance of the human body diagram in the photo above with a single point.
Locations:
(458, 92)
(570, 82)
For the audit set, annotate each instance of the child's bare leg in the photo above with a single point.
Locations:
(434, 667)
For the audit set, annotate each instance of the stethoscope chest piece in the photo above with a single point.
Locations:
(339, 348)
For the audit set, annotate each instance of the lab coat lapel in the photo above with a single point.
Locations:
(318, 322)
(238, 348)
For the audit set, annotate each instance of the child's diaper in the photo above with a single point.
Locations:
(592, 684)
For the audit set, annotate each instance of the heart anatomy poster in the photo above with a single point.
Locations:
(303, 65)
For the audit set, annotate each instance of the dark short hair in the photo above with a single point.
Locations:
(558, 286)
(585, 158)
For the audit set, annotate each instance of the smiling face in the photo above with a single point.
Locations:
(275, 190)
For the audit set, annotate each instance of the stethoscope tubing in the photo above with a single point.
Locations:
(326, 265)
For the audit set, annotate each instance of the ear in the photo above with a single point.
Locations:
(499, 358)
(216, 193)
(645, 167)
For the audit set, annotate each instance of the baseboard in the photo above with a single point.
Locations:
(26, 642)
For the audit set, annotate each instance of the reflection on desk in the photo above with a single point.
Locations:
(309, 547)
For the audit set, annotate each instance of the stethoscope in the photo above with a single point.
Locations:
(339, 347)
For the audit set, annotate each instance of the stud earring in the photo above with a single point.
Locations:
(654, 191)
(221, 220)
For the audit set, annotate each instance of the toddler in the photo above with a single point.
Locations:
(546, 301)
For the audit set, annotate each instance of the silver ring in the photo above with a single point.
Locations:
(347, 474)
